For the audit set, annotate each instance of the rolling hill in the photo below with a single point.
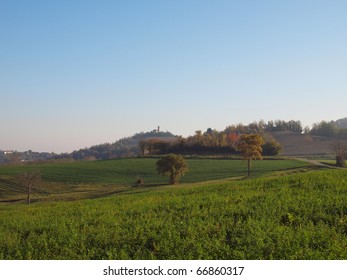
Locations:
(292, 217)
(296, 144)
(125, 147)
(341, 123)
(291, 139)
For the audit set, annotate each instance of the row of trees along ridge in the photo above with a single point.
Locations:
(175, 166)
(211, 141)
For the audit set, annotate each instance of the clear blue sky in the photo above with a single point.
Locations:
(78, 73)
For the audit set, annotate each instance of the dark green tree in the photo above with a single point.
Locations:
(271, 148)
(173, 166)
(324, 128)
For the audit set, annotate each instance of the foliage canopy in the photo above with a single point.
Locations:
(250, 146)
(173, 166)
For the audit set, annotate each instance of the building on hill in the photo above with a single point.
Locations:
(156, 130)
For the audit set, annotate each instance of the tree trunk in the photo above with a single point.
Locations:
(173, 180)
(340, 161)
(28, 198)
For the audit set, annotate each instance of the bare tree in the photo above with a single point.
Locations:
(29, 180)
(339, 148)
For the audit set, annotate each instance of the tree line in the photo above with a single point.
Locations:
(334, 129)
(175, 166)
(211, 142)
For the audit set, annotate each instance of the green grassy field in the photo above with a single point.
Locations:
(300, 216)
(289, 210)
(126, 171)
(79, 180)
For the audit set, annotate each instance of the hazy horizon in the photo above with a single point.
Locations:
(79, 73)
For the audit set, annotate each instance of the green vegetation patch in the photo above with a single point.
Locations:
(126, 171)
(302, 216)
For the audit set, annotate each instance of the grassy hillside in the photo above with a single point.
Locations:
(301, 216)
(76, 180)
(296, 144)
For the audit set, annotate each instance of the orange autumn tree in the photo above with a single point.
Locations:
(250, 146)
(233, 139)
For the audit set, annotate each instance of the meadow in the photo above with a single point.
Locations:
(289, 213)
(83, 179)
(126, 171)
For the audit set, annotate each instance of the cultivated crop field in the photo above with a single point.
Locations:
(125, 171)
(285, 212)
(78, 180)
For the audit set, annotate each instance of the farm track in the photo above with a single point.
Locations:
(318, 163)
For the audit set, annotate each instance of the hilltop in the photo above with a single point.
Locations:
(314, 141)
(294, 139)
(341, 123)
(125, 147)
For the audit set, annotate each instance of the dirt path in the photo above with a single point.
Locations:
(318, 163)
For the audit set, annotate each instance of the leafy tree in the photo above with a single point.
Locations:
(280, 125)
(14, 158)
(307, 130)
(142, 145)
(324, 128)
(233, 139)
(250, 146)
(173, 166)
(271, 148)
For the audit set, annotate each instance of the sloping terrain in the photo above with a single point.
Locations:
(341, 123)
(292, 217)
(93, 179)
(295, 144)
